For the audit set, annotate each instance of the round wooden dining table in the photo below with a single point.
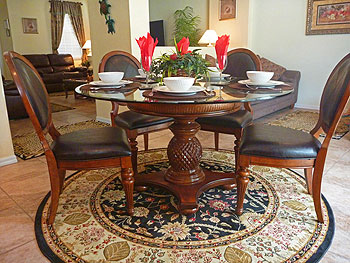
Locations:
(184, 176)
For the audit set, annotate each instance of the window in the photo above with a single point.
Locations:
(69, 42)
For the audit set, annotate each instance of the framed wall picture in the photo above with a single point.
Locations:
(227, 9)
(328, 17)
(30, 25)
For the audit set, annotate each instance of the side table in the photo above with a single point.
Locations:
(71, 84)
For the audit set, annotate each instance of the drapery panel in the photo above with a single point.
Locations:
(57, 19)
(73, 9)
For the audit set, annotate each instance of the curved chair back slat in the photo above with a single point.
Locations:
(240, 60)
(31, 89)
(120, 61)
(336, 91)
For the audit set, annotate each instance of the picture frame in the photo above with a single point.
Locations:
(227, 9)
(328, 17)
(30, 25)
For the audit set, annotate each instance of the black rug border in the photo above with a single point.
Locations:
(50, 255)
(322, 250)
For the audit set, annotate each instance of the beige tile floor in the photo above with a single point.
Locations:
(24, 184)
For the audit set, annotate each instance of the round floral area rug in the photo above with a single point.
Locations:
(278, 223)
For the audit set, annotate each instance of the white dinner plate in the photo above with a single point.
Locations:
(214, 75)
(270, 83)
(191, 91)
(114, 84)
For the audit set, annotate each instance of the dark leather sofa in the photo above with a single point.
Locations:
(14, 104)
(54, 68)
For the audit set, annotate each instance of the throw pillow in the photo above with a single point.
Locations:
(211, 60)
(268, 65)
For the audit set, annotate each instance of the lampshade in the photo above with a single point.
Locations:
(87, 44)
(209, 37)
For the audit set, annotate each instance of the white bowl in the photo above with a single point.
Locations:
(259, 76)
(214, 72)
(141, 72)
(111, 77)
(179, 83)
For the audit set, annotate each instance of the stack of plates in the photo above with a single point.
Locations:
(269, 84)
(165, 90)
(119, 84)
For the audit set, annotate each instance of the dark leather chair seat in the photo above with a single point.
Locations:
(92, 144)
(278, 142)
(238, 119)
(133, 120)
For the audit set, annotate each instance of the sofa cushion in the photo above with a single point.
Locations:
(38, 60)
(61, 59)
(63, 68)
(55, 77)
(268, 65)
(44, 70)
(73, 75)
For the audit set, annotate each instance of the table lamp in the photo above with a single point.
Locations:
(87, 46)
(209, 37)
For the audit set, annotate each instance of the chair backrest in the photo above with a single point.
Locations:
(31, 88)
(335, 96)
(239, 61)
(120, 61)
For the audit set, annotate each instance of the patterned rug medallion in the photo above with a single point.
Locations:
(278, 224)
(306, 121)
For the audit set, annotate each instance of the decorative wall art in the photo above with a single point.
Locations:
(30, 25)
(328, 17)
(105, 11)
(227, 9)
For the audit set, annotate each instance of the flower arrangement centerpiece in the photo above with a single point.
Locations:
(183, 62)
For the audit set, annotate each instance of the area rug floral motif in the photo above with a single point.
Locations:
(28, 145)
(306, 120)
(278, 223)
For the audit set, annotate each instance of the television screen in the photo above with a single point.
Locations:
(157, 31)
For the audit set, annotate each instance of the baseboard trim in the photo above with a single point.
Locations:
(101, 119)
(307, 107)
(8, 160)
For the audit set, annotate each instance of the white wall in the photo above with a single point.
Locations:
(237, 28)
(6, 149)
(139, 25)
(277, 32)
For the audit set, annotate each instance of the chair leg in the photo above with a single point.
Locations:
(216, 141)
(242, 183)
(308, 178)
(238, 135)
(55, 193)
(128, 184)
(145, 141)
(316, 192)
(134, 150)
(61, 175)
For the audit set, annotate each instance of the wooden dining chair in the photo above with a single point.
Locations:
(288, 148)
(105, 147)
(133, 123)
(239, 61)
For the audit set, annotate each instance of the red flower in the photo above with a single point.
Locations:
(221, 47)
(147, 46)
(182, 45)
(173, 57)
